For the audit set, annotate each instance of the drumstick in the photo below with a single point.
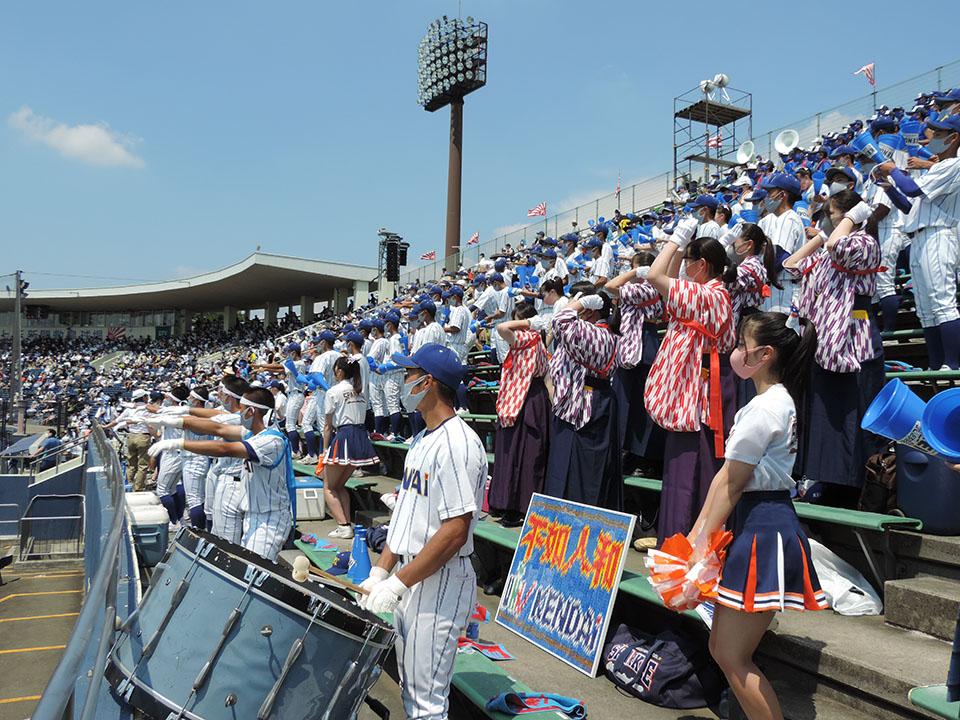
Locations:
(302, 566)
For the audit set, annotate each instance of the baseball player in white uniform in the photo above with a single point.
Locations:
(380, 354)
(393, 379)
(195, 466)
(313, 407)
(787, 236)
(267, 468)
(431, 536)
(458, 326)
(292, 366)
(931, 226)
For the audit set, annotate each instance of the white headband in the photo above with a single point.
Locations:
(195, 396)
(174, 398)
(233, 395)
(244, 401)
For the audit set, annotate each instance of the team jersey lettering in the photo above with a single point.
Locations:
(413, 481)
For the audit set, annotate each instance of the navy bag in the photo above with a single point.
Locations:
(669, 670)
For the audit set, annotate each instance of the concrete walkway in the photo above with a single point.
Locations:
(38, 609)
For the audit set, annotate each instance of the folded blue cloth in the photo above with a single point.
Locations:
(521, 703)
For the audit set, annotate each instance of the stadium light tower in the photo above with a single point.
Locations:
(452, 62)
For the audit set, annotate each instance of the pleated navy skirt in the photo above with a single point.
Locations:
(351, 446)
(584, 465)
(768, 564)
(521, 453)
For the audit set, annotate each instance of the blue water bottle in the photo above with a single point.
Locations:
(359, 568)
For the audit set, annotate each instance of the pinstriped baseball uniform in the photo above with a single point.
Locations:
(393, 380)
(224, 504)
(444, 477)
(935, 254)
(788, 234)
(378, 396)
(505, 304)
(267, 513)
(170, 470)
(459, 318)
(313, 410)
(295, 397)
(194, 471)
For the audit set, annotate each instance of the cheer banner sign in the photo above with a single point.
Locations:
(564, 578)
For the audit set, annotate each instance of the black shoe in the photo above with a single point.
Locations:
(494, 588)
(510, 520)
(495, 513)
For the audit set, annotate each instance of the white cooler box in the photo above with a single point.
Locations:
(311, 504)
(139, 499)
(151, 531)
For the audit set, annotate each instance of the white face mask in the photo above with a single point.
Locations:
(836, 187)
(247, 420)
(408, 398)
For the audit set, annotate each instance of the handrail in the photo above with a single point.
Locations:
(59, 452)
(100, 602)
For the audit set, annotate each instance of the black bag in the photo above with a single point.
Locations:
(669, 669)
(879, 492)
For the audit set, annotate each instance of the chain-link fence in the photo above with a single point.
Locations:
(653, 191)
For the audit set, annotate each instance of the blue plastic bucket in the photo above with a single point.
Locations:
(941, 424)
(896, 413)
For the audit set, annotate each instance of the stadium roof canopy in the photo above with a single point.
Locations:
(253, 282)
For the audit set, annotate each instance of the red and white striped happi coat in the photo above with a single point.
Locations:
(526, 360)
(677, 393)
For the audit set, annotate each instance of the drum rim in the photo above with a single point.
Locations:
(116, 673)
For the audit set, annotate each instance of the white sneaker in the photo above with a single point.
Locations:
(343, 532)
(311, 460)
(389, 499)
(358, 473)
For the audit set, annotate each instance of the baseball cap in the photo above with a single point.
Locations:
(341, 564)
(378, 324)
(593, 242)
(787, 183)
(292, 347)
(496, 277)
(757, 195)
(392, 317)
(708, 201)
(549, 253)
(436, 360)
(139, 393)
(500, 265)
(843, 150)
(849, 174)
(479, 280)
(946, 122)
(327, 336)
(883, 123)
(364, 324)
(548, 241)
(272, 384)
(569, 237)
(355, 337)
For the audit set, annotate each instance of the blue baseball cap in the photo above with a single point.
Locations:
(756, 195)
(427, 306)
(435, 290)
(946, 122)
(392, 317)
(378, 324)
(341, 565)
(436, 360)
(355, 337)
(364, 324)
(328, 336)
(453, 291)
(272, 384)
(844, 150)
(500, 265)
(570, 237)
(548, 241)
(479, 280)
(849, 174)
(787, 183)
(707, 201)
(883, 123)
(593, 242)
(549, 253)
(496, 277)
(292, 347)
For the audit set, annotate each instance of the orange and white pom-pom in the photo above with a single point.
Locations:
(685, 575)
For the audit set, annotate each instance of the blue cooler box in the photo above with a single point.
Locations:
(928, 491)
(151, 534)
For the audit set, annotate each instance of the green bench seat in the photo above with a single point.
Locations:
(926, 375)
(933, 698)
(902, 334)
(406, 446)
(478, 678)
(352, 483)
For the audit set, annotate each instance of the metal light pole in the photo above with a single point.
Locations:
(15, 365)
(454, 179)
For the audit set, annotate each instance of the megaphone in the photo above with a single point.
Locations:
(746, 152)
(865, 144)
(786, 142)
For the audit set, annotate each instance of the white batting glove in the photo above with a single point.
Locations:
(163, 445)
(386, 595)
(859, 213)
(683, 233)
(377, 575)
(175, 410)
(642, 272)
(166, 421)
(592, 302)
(539, 323)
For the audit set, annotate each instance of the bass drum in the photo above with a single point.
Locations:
(224, 633)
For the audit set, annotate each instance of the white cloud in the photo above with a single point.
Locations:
(507, 229)
(93, 144)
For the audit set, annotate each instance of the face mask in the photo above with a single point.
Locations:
(414, 324)
(166, 403)
(684, 275)
(938, 145)
(247, 420)
(836, 187)
(732, 254)
(545, 264)
(771, 204)
(738, 361)
(409, 399)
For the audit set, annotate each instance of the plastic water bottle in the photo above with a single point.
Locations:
(489, 442)
(359, 568)
(473, 631)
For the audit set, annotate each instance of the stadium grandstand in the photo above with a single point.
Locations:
(599, 358)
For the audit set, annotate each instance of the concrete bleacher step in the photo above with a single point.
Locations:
(859, 662)
(802, 698)
(926, 604)
(921, 554)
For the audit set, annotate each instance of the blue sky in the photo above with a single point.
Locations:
(154, 140)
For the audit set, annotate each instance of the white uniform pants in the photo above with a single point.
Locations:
(264, 533)
(169, 472)
(378, 395)
(392, 389)
(889, 252)
(294, 403)
(210, 492)
(502, 346)
(429, 620)
(227, 509)
(934, 260)
(194, 478)
(313, 411)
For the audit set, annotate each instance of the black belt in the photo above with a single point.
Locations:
(596, 382)
(235, 478)
(912, 235)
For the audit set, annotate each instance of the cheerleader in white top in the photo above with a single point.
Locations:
(768, 565)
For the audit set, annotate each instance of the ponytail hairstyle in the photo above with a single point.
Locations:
(351, 371)
(524, 311)
(709, 249)
(585, 287)
(847, 200)
(555, 283)
(794, 353)
(761, 246)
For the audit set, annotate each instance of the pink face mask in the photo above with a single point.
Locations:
(738, 362)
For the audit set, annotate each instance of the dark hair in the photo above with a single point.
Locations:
(555, 283)
(236, 385)
(180, 392)
(752, 231)
(709, 249)
(847, 200)
(524, 311)
(261, 396)
(351, 371)
(795, 353)
(642, 258)
(585, 287)
(447, 394)
(202, 391)
(723, 210)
